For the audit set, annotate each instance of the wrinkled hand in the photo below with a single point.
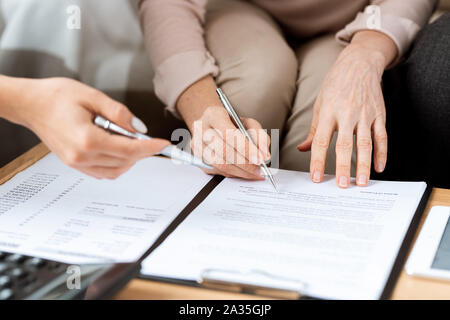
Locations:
(350, 102)
(219, 143)
(61, 112)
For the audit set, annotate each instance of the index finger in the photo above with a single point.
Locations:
(259, 136)
(234, 138)
(123, 147)
(319, 149)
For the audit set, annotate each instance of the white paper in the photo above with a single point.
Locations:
(55, 212)
(322, 240)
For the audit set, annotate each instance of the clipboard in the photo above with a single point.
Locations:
(216, 279)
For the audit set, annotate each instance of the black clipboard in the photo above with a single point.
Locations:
(286, 294)
(404, 248)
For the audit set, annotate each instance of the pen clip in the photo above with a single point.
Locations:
(255, 282)
(114, 128)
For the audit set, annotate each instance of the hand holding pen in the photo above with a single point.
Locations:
(170, 151)
(238, 122)
(60, 111)
(209, 124)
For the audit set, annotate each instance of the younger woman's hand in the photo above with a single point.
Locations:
(61, 112)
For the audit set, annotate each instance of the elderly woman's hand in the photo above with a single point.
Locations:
(351, 102)
(216, 139)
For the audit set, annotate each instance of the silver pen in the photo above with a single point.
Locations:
(169, 151)
(235, 117)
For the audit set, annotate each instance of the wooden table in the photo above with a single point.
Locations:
(407, 287)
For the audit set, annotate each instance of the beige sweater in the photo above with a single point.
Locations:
(174, 33)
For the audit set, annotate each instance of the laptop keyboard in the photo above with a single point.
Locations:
(21, 276)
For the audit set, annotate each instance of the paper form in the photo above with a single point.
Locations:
(55, 212)
(336, 243)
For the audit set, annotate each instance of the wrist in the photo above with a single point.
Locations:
(378, 47)
(13, 99)
(360, 54)
(196, 99)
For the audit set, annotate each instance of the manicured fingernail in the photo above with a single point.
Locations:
(316, 176)
(138, 125)
(343, 182)
(362, 180)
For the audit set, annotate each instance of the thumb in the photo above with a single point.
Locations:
(306, 145)
(116, 112)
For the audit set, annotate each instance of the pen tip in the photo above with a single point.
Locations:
(273, 184)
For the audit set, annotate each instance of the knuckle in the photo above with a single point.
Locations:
(58, 84)
(381, 137)
(74, 158)
(115, 173)
(208, 137)
(364, 143)
(381, 155)
(208, 113)
(197, 152)
(321, 142)
(210, 172)
(131, 151)
(96, 95)
(363, 167)
(87, 143)
(196, 141)
(222, 167)
(119, 111)
(344, 145)
(343, 167)
(248, 168)
(213, 112)
(317, 164)
(252, 123)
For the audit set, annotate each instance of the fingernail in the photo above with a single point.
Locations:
(316, 176)
(261, 173)
(343, 182)
(362, 180)
(138, 125)
(380, 166)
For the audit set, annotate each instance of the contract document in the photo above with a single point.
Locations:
(55, 212)
(315, 238)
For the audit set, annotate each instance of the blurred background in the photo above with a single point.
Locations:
(107, 53)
